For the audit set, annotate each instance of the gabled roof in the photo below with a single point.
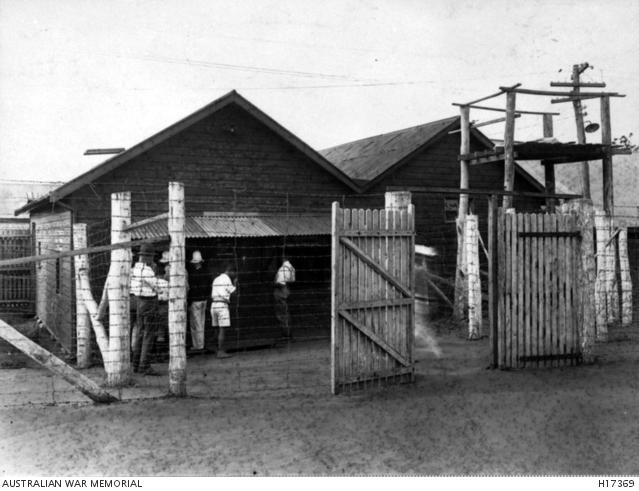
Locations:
(16, 192)
(231, 98)
(366, 159)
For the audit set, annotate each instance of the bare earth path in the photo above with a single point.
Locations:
(458, 418)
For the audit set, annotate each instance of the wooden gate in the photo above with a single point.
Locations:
(372, 322)
(537, 287)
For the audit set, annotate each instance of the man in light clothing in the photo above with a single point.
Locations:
(199, 281)
(144, 287)
(223, 286)
(281, 292)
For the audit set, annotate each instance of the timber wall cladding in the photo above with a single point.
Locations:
(538, 260)
(372, 297)
(214, 162)
(54, 289)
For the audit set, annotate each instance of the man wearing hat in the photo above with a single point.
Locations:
(198, 294)
(144, 287)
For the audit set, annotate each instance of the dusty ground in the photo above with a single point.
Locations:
(270, 412)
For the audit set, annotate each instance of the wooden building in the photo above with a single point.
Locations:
(231, 157)
(427, 155)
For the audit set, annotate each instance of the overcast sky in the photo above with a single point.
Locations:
(78, 74)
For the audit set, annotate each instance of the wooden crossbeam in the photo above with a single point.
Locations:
(558, 93)
(577, 84)
(376, 267)
(51, 362)
(380, 375)
(573, 98)
(479, 191)
(496, 94)
(375, 233)
(78, 252)
(502, 110)
(375, 338)
(367, 304)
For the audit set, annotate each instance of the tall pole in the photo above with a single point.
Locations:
(461, 297)
(177, 291)
(606, 139)
(549, 167)
(509, 142)
(577, 70)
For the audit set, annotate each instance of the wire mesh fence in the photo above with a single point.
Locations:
(268, 331)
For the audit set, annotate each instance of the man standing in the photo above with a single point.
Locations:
(281, 292)
(223, 286)
(197, 297)
(144, 288)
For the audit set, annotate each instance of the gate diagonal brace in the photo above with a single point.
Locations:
(376, 267)
(376, 339)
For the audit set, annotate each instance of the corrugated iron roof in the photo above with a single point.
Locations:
(236, 225)
(366, 159)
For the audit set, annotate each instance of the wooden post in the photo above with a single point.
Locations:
(492, 279)
(461, 292)
(177, 291)
(471, 242)
(118, 362)
(626, 279)
(549, 168)
(509, 141)
(336, 280)
(82, 320)
(84, 384)
(606, 139)
(587, 313)
(601, 283)
(581, 134)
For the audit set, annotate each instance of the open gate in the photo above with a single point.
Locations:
(537, 290)
(372, 325)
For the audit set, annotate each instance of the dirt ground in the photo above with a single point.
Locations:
(270, 412)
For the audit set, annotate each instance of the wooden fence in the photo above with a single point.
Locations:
(17, 293)
(372, 297)
(538, 258)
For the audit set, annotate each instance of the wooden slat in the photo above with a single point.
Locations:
(390, 350)
(508, 288)
(501, 288)
(541, 292)
(534, 291)
(493, 289)
(561, 286)
(551, 288)
(335, 293)
(521, 322)
(569, 313)
(527, 288)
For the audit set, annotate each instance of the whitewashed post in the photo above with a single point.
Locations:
(177, 291)
(461, 284)
(601, 285)
(471, 246)
(82, 320)
(583, 210)
(118, 366)
(626, 280)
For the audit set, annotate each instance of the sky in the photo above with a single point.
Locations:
(79, 74)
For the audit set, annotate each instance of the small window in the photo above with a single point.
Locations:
(451, 209)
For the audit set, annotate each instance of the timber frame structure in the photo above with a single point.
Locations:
(549, 153)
